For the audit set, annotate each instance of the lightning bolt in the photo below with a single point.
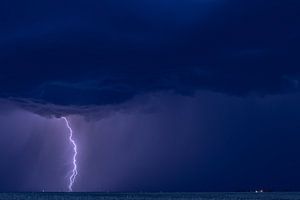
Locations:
(72, 141)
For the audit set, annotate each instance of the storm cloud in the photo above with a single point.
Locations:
(63, 58)
(162, 95)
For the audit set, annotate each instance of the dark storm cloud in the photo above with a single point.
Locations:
(55, 54)
(221, 75)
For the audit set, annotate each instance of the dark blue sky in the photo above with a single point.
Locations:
(197, 95)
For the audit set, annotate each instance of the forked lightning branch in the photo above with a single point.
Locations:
(73, 143)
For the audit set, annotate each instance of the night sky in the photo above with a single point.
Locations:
(162, 95)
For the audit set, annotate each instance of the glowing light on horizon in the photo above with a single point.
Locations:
(72, 141)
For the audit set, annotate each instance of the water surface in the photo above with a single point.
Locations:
(150, 196)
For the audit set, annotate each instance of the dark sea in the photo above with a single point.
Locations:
(149, 196)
